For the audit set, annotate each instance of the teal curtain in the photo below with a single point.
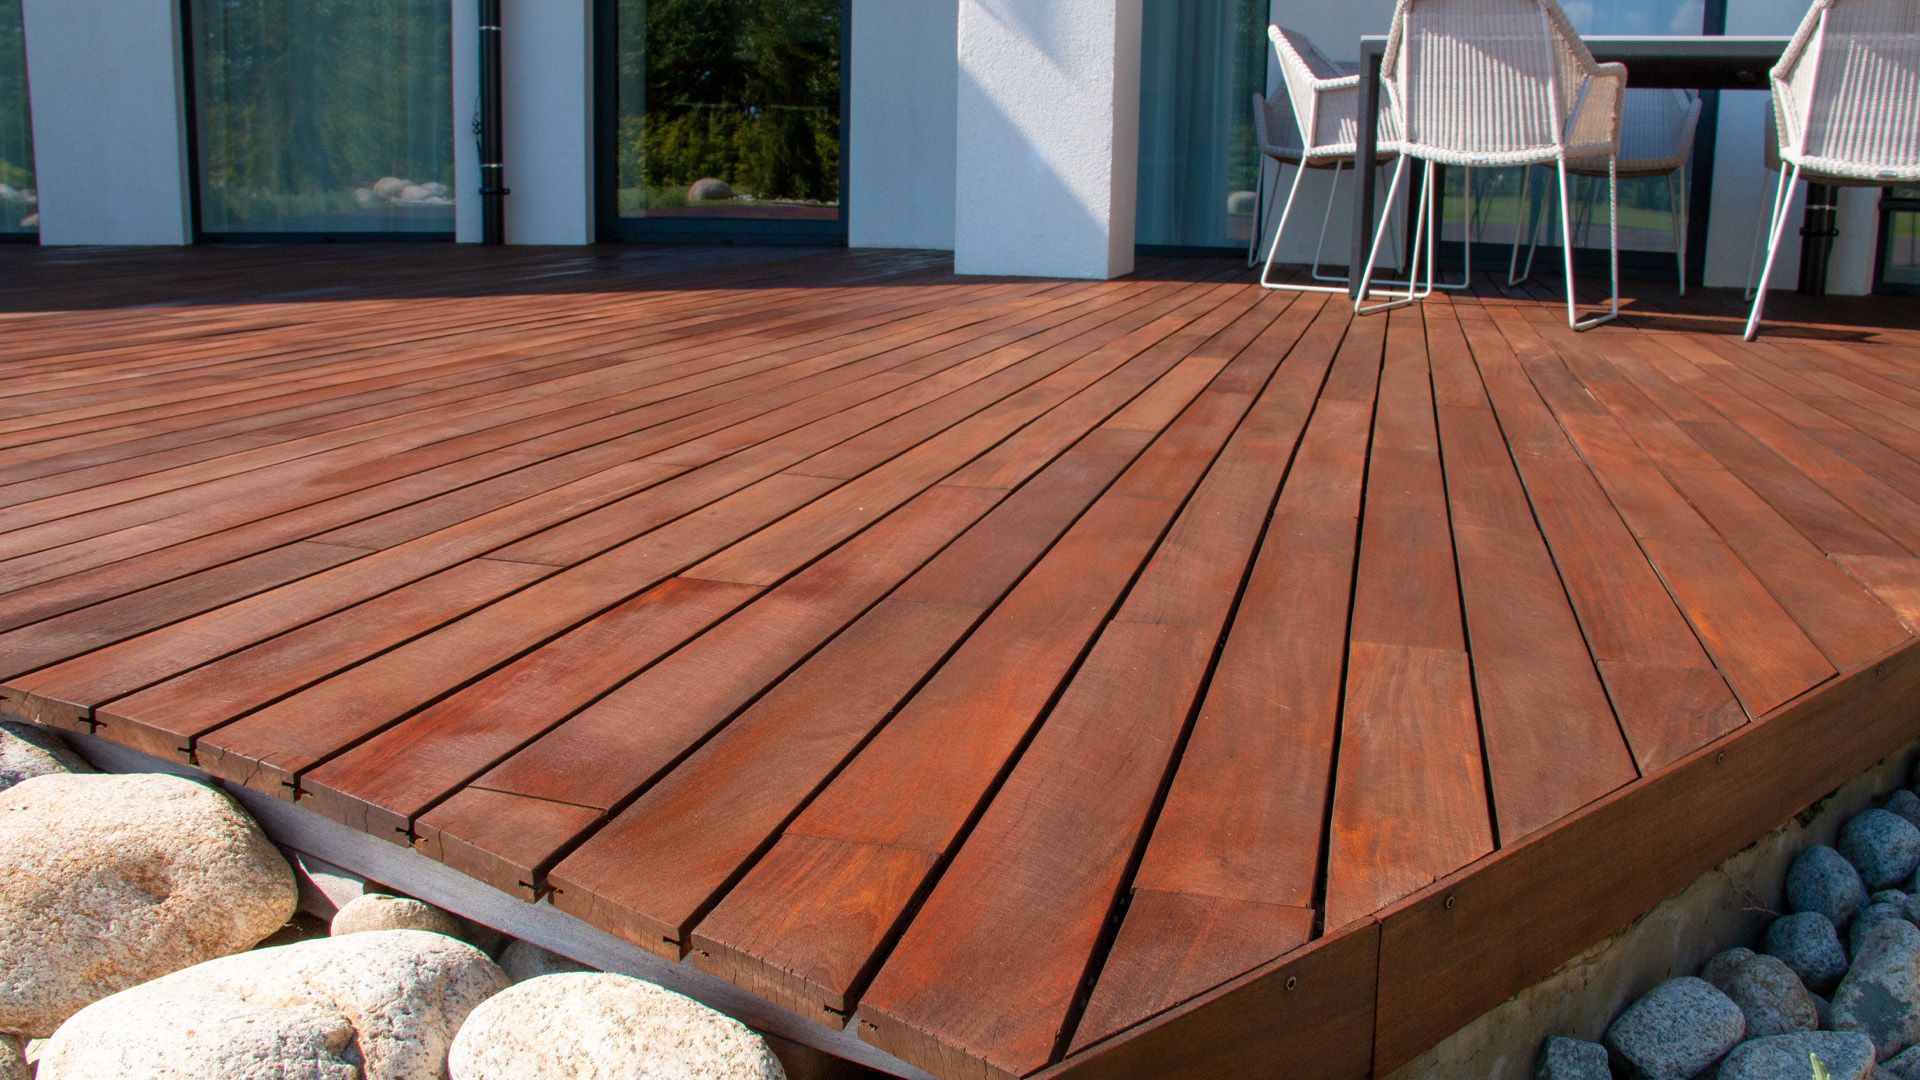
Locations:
(19, 207)
(1201, 62)
(323, 116)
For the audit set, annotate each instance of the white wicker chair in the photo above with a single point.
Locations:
(1315, 128)
(1656, 140)
(1846, 98)
(1489, 83)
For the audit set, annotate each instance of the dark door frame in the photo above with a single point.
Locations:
(610, 225)
(1891, 204)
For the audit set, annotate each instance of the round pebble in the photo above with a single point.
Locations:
(1883, 846)
(1809, 944)
(1822, 880)
(1678, 1029)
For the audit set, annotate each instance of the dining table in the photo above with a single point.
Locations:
(1676, 61)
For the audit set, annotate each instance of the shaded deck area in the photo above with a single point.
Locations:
(1150, 677)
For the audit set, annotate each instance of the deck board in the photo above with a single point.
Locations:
(1020, 672)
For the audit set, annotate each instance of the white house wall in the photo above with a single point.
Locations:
(900, 137)
(109, 134)
(546, 69)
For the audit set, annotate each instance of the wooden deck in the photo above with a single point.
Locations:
(1141, 677)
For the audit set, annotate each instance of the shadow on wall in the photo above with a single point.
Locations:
(1031, 191)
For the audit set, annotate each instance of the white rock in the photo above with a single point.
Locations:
(378, 911)
(382, 1005)
(13, 1059)
(524, 960)
(602, 1027)
(388, 187)
(110, 881)
(27, 751)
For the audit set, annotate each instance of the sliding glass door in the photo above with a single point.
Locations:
(1900, 241)
(322, 117)
(721, 120)
(19, 207)
(1201, 63)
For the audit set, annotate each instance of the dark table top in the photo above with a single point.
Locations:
(1694, 61)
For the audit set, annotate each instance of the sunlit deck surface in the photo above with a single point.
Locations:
(1143, 677)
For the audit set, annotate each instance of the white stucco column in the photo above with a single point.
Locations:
(109, 122)
(546, 72)
(1047, 137)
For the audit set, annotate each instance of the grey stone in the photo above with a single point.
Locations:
(1882, 845)
(1846, 1055)
(709, 189)
(383, 1005)
(1810, 946)
(13, 1059)
(1880, 996)
(1889, 896)
(524, 960)
(1769, 994)
(1905, 1065)
(591, 1026)
(111, 881)
(27, 751)
(1678, 1029)
(1572, 1059)
(1824, 1008)
(378, 911)
(1906, 804)
(1821, 879)
(1870, 915)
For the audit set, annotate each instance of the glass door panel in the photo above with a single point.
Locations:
(1201, 63)
(322, 116)
(19, 206)
(725, 119)
(1900, 242)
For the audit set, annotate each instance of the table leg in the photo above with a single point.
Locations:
(1366, 155)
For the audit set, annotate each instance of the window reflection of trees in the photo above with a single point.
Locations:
(19, 204)
(323, 115)
(740, 91)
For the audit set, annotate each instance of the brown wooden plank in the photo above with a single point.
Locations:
(987, 555)
(1669, 697)
(1410, 799)
(1446, 955)
(1552, 741)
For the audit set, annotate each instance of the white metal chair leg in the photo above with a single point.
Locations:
(1677, 205)
(1360, 307)
(1333, 189)
(1761, 230)
(1273, 248)
(1613, 248)
(1528, 223)
(1788, 177)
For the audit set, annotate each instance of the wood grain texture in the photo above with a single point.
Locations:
(1032, 678)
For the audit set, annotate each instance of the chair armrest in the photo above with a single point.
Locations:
(1338, 118)
(1596, 116)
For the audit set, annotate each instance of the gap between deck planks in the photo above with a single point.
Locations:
(879, 637)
